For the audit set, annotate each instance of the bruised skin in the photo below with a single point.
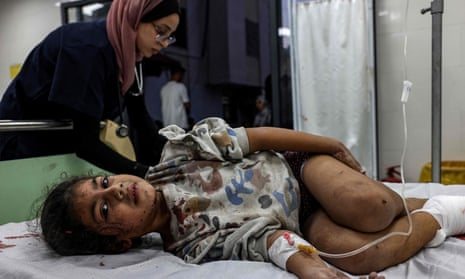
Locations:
(329, 237)
(347, 195)
(124, 206)
(355, 211)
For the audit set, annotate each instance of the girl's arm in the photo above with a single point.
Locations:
(305, 265)
(280, 139)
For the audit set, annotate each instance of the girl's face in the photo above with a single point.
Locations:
(153, 36)
(125, 206)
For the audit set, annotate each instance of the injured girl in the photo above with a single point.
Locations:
(221, 193)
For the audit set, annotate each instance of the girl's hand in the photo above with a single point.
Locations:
(306, 266)
(344, 155)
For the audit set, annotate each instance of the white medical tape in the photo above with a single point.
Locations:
(284, 247)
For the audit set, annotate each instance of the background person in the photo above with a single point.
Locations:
(263, 116)
(89, 72)
(175, 103)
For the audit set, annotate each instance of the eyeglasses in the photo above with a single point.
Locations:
(162, 36)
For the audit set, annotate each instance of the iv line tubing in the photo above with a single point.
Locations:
(409, 217)
(402, 195)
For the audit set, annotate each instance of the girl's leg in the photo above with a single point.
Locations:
(350, 198)
(330, 237)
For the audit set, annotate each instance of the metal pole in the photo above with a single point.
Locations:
(437, 9)
(274, 39)
(34, 125)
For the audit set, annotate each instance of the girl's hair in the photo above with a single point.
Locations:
(63, 231)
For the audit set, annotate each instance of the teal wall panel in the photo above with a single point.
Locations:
(24, 182)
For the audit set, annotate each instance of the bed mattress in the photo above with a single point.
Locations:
(24, 255)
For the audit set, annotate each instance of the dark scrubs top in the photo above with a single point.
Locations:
(72, 74)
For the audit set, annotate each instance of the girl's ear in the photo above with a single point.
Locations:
(122, 246)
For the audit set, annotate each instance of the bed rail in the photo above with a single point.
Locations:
(34, 125)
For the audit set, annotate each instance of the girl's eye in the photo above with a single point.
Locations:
(104, 210)
(105, 182)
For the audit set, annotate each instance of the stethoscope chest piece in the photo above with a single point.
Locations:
(122, 131)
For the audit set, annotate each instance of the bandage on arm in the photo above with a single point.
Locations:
(449, 212)
(287, 245)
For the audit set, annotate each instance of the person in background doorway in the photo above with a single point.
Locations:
(263, 105)
(175, 103)
(89, 72)
(263, 116)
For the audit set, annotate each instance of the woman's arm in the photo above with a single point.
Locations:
(280, 139)
(147, 142)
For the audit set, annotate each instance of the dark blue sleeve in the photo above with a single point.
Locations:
(85, 70)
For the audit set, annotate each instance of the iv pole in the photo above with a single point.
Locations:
(436, 9)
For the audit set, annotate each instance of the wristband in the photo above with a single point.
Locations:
(287, 245)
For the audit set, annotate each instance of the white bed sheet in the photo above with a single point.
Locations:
(24, 255)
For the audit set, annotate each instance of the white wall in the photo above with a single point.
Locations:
(23, 23)
(390, 17)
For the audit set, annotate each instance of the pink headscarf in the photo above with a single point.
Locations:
(122, 20)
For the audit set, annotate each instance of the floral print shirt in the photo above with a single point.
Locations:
(224, 201)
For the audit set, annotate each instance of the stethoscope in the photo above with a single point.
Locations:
(123, 130)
